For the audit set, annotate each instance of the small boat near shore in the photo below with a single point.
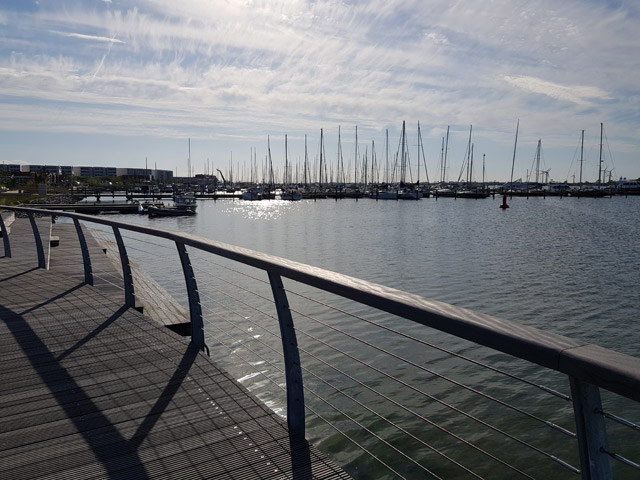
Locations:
(182, 205)
(252, 194)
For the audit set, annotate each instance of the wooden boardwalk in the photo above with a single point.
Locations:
(91, 389)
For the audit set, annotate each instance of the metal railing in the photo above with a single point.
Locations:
(369, 382)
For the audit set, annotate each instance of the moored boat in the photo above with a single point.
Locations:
(408, 194)
(472, 193)
(182, 205)
(252, 194)
(291, 194)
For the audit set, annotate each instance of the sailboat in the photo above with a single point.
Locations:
(385, 193)
(253, 192)
(288, 191)
(470, 191)
(405, 192)
(589, 191)
(401, 191)
(443, 189)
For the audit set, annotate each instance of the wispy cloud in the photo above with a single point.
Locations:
(578, 94)
(95, 38)
(244, 69)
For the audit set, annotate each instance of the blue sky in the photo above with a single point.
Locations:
(114, 82)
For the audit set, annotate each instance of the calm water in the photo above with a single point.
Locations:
(570, 266)
(567, 265)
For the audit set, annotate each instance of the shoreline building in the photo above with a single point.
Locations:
(152, 175)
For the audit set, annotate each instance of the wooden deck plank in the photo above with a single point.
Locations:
(95, 390)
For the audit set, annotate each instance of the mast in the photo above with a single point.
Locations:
(538, 160)
(355, 166)
(470, 166)
(387, 157)
(424, 158)
(467, 158)
(286, 162)
(470, 159)
(374, 165)
(581, 156)
(403, 161)
(446, 148)
(600, 162)
(365, 159)
(306, 160)
(321, 148)
(270, 165)
(513, 162)
(419, 136)
(340, 178)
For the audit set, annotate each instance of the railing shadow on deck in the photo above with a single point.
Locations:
(112, 456)
(367, 408)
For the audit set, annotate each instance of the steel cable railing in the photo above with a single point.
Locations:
(274, 334)
(619, 420)
(240, 287)
(408, 410)
(624, 423)
(621, 459)
(397, 332)
(441, 402)
(415, 414)
(449, 352)
(444, 377)
(277, 368)
(436, 347)
(409, 337)
(587, 367)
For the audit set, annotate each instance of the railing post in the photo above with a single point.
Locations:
(592, 434)
(5, 238)
(293, 370)
(86, 259)
(127, 276)
(195, 309)
(36, 235)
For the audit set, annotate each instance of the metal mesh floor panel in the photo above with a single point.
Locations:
(91, 389)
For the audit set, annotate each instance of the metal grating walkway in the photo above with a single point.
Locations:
(91, 389)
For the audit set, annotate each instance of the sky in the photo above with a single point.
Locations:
(134, 83)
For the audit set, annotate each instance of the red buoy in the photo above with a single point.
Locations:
(504, 202)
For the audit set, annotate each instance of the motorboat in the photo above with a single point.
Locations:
(182, 205)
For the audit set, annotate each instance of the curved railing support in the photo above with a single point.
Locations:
(5, 238)
(592, 434)
(127, 276)
(195, 309)
(86, 259)
(36, 235)
(293, 370)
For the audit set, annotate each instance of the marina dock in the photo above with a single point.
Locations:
(94, 389)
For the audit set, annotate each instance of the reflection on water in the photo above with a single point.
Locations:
(258, 210)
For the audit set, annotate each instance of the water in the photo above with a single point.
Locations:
(569, 266)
